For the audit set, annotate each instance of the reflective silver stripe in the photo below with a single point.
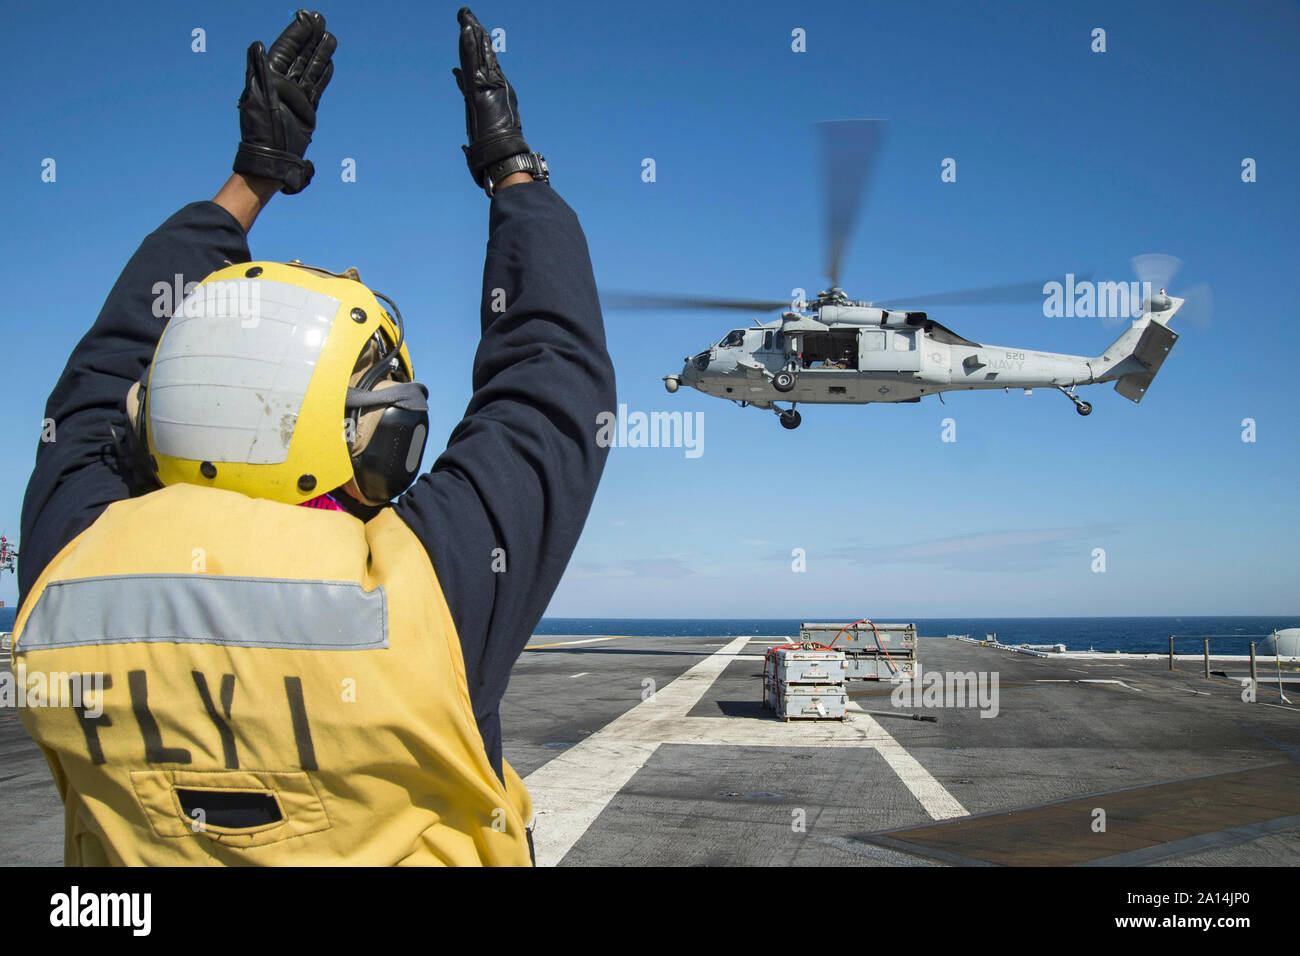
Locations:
(208, 609)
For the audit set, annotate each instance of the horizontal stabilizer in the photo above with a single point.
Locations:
(1151, 351)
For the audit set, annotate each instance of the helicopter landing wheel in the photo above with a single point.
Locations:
(1080, 406)
(783, 381)
(790, 419)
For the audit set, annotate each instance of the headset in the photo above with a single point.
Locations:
(390, 460)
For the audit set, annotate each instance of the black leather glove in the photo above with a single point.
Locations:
(277, 112)
(491, 110)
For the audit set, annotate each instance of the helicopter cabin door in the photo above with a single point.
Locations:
(888, 350)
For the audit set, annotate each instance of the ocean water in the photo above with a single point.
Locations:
(1133, 634)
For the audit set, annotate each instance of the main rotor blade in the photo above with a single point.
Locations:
(850, 149)
(640, 301)
(987, 295)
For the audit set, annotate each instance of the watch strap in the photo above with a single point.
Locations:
(532, 163)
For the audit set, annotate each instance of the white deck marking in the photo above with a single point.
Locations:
(571, 790)
(938, 802)
(1280, 706)
(583, 674)
(590, 640)
(1098, 680)
(1093, 680)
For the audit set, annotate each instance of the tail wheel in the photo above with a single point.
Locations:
(783, 381)
(790, 419)
(1083, 408)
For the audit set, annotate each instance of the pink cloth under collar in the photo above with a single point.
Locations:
(324, 503)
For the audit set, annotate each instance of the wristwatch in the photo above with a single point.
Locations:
(532, 163)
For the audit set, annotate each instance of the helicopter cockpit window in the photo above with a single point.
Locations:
(734, 338)
(767, 340)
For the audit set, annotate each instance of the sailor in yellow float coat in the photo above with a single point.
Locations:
(307, 685)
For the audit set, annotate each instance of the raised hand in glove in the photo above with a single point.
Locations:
(491, 110)
(277, 111)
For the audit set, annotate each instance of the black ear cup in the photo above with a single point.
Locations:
(132, 449)
(142, 460)
(390, 461)
(390, 442)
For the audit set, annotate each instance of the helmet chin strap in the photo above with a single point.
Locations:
(409, 395)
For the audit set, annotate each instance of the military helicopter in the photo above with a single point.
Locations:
(834, 350)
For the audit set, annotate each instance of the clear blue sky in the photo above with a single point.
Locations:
(1067, 161)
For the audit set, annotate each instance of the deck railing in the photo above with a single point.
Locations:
(1205, 645)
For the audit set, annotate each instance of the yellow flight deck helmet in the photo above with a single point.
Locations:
(284, 382)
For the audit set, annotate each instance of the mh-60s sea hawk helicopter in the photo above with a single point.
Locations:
(833, 350)
(843, 352)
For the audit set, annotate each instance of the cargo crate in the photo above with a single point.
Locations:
(806, 701)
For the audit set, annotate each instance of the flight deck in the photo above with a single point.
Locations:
(658, 751)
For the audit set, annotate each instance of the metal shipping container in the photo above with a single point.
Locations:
(888, 652)
(806, 666)
(895, 638)
(806, 701)
(805, 683)
(878, 667)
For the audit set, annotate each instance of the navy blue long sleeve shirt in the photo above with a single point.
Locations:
(519, 472)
